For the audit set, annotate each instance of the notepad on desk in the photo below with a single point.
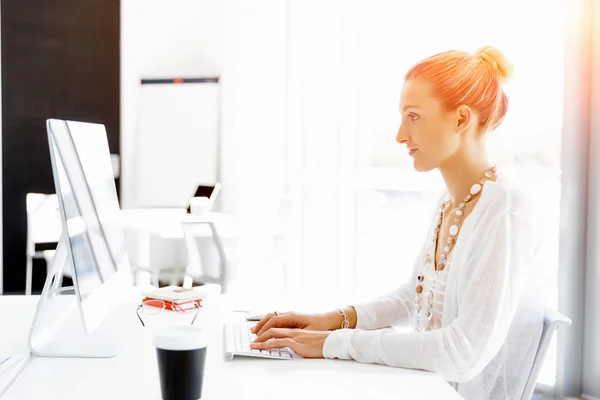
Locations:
(175, 297)
(174, 294)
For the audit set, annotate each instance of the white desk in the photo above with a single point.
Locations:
(134, 373)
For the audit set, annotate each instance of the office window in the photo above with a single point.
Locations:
(364, 212)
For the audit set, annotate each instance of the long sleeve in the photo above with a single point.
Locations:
(496, 262)
(393, 308)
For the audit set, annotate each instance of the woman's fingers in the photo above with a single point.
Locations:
(275, 344)
(276, 333)
(281, 321)
(256, 328)
(262, 322)
(274, 322)
(303, 343)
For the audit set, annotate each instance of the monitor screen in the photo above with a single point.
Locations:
(86, 190)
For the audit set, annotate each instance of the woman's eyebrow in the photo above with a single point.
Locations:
(408, 106)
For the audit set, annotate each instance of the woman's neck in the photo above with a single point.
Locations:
(462, 171)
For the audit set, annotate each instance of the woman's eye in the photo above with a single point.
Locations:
(413, 117)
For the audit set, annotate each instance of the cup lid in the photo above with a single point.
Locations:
(184, 337)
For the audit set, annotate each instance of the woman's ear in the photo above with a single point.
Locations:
(463, 118)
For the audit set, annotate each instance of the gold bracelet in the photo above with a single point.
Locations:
(345, 323)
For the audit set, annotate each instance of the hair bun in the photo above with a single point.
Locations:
(496, 60)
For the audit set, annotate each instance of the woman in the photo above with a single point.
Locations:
(473, 301)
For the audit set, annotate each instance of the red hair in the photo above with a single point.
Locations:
(474, 80)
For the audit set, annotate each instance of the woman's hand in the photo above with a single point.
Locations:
(315, 322)
(308, 344)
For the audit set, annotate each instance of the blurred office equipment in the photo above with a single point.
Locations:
(177, 141)
(83, 324)
(43, 228)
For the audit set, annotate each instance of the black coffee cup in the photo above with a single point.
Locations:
(181, 353)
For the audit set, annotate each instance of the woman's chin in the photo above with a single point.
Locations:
(421, 167)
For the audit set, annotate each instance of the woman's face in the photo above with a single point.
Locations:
(430, 133)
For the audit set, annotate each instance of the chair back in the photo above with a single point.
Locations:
(552, 320)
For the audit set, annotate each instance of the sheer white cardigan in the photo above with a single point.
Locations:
(492, 311)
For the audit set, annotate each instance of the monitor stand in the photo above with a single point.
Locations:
(58, 328)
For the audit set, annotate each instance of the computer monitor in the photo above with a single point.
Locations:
(92, 245)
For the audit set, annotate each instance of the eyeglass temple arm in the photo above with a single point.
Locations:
(197, 312)
(137, 312)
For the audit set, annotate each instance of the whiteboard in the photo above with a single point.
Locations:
(177, 143)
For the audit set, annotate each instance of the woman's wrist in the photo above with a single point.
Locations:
(336, 319)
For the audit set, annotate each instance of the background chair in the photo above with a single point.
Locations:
(155, 255)
(204, 266)
(552, 320)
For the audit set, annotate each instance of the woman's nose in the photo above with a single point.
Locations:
(401, 136)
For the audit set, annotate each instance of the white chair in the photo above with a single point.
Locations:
(43, 226)
(155, 255)
(168, 244)
(202, 266)
(552, 320)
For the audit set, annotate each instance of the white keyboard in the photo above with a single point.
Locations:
(237, 339)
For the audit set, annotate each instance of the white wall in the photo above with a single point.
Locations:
(181, 38)
(254, 90)
(243, 42)
(253, 122)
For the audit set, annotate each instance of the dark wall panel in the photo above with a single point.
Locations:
(60, 59)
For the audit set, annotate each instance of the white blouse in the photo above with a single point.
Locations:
(438, 292)
(492, 313)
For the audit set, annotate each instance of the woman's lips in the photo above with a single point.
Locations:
(412, 151)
